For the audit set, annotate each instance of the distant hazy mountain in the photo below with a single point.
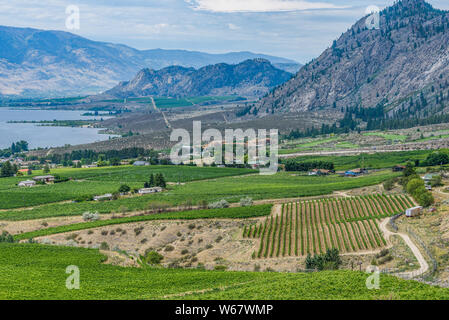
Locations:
(38, 62)
(402, 67)
(250, 78)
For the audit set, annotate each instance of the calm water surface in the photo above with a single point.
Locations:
(39, 136)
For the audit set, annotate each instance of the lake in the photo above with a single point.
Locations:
(42, 137)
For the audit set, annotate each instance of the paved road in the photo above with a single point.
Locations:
(424, 266)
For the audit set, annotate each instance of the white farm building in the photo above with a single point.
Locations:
(413, 212)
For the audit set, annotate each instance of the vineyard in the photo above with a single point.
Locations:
(348, 224)
(45, 278)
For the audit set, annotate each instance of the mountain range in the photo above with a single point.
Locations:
(251, 78)
(402, 68)
(50, 63)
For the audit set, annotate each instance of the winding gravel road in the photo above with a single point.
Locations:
(424, 266)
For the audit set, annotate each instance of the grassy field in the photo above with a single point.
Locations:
(348, 225)
(307, 145)
(281, 185)
(228, 213)
(166, 103)
(31, 271)
(97, 181)
(373, 161)
(387, 136)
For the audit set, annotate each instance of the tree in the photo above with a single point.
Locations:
(437, 158)
(159, 180)
(7, 170)
(389, 184)
(409, 170)
(415, 185)
(436, 181)
(124, 188)
(114, 162)
(426, 199)
(30, 171)
(46, 169)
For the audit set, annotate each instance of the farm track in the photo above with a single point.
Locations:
(313, 226)
(424, 266)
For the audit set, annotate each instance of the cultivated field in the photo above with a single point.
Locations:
(258, 187)
(45, 278)
(348, 224)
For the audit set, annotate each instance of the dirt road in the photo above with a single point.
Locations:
(424, 266)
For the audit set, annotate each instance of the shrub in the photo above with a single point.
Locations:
(124, 188)
(89, 216)
(104, 246)
(153, 258)
(329, 261)
(246, 202)
(389, 184)
(219, 204)
(6, 237)
(436, 181)
(220, 268)
(426, 199)
(169, 248)
(414, 185)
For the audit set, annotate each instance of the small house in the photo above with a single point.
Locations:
(44, 179)
(104, 197)
(413, 212)
(27, 183)
(150, 190)
(141, 163)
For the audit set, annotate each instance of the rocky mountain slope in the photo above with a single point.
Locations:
(250, 78)
(38, 62)
(403, 67)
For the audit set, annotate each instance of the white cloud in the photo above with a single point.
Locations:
(232, 26)
(258, 5)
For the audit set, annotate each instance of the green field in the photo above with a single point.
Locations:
(307, 145)
(281, 185)
(373, 161)
(97, 181)
(166, 103)
(228, 213)
(31, 271)
(387, 136)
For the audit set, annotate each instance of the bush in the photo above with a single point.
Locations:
(389, 184)
(89, 216)
(153, 258)
(329, 261)
(6, 237)
(104, 246)
(220, 268)
(436, 181)
(219, 205)
(425, 199)
(124, 188)
(415, 185)
(246, 202)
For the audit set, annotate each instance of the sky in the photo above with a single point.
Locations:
(295, 29)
